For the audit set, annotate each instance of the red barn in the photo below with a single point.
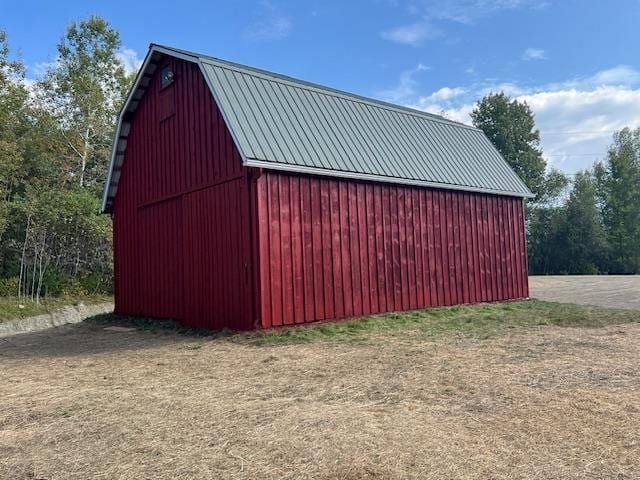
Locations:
(246, 199)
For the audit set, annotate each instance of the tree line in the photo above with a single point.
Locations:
(55, 140)
(588, 224)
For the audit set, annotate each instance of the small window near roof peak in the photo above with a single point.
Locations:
(166, 76)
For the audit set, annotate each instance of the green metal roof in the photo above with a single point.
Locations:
(278, 122)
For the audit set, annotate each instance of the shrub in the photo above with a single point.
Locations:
(9, 287)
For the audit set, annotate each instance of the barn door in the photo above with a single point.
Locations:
(217, 291)
(158, 291)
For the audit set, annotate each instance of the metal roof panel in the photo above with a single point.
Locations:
(328, 129)
(287, 124)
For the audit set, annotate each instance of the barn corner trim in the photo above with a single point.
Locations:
(429, 150)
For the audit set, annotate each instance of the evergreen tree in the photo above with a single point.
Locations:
(619, 191)
(581, 238)
(544, 231)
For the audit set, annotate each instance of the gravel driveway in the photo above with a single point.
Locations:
(615, 291)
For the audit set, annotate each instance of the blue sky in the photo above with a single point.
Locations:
(575, 62)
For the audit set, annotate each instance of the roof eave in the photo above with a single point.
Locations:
(268, 165)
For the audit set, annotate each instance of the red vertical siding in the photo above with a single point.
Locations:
(332, 248)
(181, 215)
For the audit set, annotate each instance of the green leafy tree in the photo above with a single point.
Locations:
(57, 220)
(510, 126)
(619, 192)
(55, 140)
(84, 89)
(13, 127)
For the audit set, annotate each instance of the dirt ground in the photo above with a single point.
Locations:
(613, 291)
(80, 402)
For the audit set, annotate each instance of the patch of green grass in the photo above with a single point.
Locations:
(11, 308)
(479, 321)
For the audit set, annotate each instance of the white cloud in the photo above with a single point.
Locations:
(510, 88)
(405, 88)
(576, 118)
(469, 11)
(271, 24)
(534, 54)
(620, 75)
(414, 34)
(446, 94)
(130, 59)
(576, 125)
(127, 56)
(431, 13)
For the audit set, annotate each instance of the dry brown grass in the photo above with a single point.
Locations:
(80, 402)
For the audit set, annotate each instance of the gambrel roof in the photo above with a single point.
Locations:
(282, 123)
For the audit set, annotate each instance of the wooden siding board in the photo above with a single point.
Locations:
(515, 252)
(523, 250)
(324, 289)
(469, 250)
(410, 227)
(402, 250)
(275, 253)
(338, 292)
(418, 227)
(288, 299)
(296, 251)
(363, 242)
(395, 248)
(306, 221)
(379, 247)
(345, 248)
(387, 249)
(354, 249)
(371, 207)
(264, 250)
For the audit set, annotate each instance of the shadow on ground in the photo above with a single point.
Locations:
(90, 337)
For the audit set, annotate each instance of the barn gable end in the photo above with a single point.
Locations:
(181, 214)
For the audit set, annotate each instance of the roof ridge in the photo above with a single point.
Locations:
(317, 87)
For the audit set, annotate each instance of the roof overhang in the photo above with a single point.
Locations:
(123, 127)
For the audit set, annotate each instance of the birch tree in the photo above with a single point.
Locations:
(84, 89)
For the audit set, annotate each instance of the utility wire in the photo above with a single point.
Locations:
(574, 154)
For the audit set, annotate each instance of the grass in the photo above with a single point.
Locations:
(478, 321)
(428, 394)
(11, 308)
